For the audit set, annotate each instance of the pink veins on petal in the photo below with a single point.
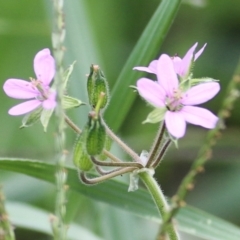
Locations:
(167, 93)
(38, 90)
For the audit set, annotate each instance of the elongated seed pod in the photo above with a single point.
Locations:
(81, 158)
(96, 138)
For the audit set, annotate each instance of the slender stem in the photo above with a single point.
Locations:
(6, 229)
(156, 145)
(103, 172)
(58, 222)
(125, 147)
(72, 124)
(161, 153)
(204, 154)
(96, 180)
(160, 201)
(115, 164)
(111, 156)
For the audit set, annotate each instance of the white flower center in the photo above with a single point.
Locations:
(43, 90)
(173, 103)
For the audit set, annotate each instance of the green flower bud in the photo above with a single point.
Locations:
(97, 87)
(80, 157)
(96, 137)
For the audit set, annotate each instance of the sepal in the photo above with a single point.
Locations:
(157, 115)
(45, 117)
(71, 102)
(31, 118)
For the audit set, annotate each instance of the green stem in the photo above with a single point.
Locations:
(124, 146)
(156, 145)
(160, 201)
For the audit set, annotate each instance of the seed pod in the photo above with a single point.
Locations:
(107, 146)
(96, 138)
(90, 84)
(80, 157)
(96, 85)
(101, 86)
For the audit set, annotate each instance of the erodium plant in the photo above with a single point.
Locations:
(173, 95)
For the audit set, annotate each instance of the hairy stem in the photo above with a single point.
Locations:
(161, 203)
(125, 147)
(156, 145)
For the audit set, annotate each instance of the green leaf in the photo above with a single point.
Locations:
(38, 220)
(190, 220)
(144, 51)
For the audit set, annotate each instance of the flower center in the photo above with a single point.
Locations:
(43, 90)
(173, 103)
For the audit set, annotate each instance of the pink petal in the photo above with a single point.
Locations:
(196, 56)
(143, 69)
(44, 66)
(50, 102)
(177, 62)
(152, 68)
(166, 75)
(199, 116)
(20, 89)
(175, 124)
(186, 61)
(24, 107)
(151, 91)
(200, 93)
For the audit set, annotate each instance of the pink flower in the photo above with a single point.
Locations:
(181, 66)
(166, 93)
(37, 89)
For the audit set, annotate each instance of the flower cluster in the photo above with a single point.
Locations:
(37, 90)
(169, 92)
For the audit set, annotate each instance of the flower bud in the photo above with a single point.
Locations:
(96, 137)
(80, 157)
(96, 85)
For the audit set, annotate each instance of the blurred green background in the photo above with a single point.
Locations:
(105, 32)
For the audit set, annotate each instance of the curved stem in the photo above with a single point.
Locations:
(160, 201)
(96, 180)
